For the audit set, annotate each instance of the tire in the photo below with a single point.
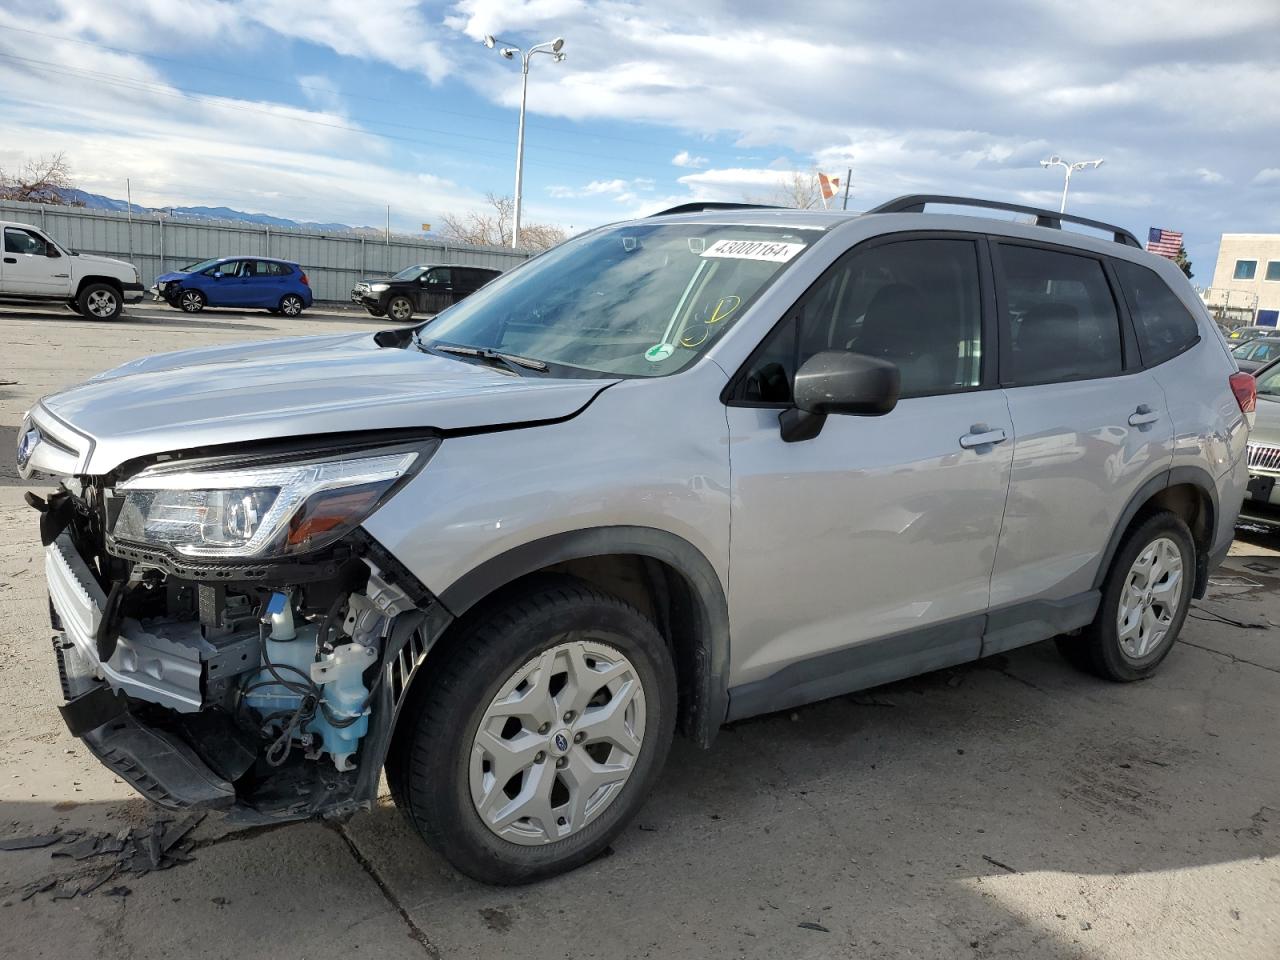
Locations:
(1161, 543)
(100, 301)
(191, 301)
(291, 305)
(400, 309)
(443, 775)
(375, 312)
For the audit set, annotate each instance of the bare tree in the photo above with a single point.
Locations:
(492, 227)
(800, 190)
(46, 179)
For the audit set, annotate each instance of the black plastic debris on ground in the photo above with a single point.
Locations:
(132, 850)
(30, 843)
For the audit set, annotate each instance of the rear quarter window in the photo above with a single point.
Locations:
(1165, 327)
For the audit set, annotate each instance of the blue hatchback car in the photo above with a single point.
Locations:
(277, 286)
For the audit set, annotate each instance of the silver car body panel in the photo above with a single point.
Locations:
(877, 526)
(1077, 461)
(294, 388)
(486, 494)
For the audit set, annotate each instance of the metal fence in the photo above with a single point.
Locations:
(157, 243)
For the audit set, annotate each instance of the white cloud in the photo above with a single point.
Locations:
(685, 159)
(1210, 176)
(596, 188)
(1267, 176)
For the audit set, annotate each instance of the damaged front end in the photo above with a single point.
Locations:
(227, 634)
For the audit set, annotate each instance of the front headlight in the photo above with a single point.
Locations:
(260, 512)
(379, 287)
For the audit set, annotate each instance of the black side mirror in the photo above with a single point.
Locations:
(838, 381)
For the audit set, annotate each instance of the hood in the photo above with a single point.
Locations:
(1266, 423)
(291, 388)
(91, 258)
(171, 275)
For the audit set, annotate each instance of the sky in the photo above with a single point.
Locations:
(329, 110)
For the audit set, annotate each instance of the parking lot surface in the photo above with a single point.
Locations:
(1010, 808)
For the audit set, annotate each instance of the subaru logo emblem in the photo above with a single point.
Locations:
(562, 742)
(26, 445)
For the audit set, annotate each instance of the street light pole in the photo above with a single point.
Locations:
(1070, 168)
(554, 48)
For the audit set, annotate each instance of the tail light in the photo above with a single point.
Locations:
(307, 283)
(1245, 387)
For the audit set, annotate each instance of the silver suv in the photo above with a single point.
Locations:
(672, 473)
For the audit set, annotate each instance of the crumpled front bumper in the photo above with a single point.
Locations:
(155, 762)
(142, 713)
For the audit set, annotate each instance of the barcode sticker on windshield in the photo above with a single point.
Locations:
(753, 250)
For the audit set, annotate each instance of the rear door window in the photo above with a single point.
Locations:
(1165, 327)
(1059, 317)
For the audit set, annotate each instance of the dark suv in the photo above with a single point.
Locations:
(425, 288)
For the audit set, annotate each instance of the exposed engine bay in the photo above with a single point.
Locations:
(270, 687)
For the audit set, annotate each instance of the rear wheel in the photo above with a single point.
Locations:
(539, 736)
(191, 301)
(291, 305)
(400, 309)
(100, 301)
(375, 312)
(1144, 603)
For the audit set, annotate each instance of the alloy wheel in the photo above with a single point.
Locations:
(291, 306)
(400, 309)
(101, 303)
(192, 302)
(558, 743)
(1149, 598)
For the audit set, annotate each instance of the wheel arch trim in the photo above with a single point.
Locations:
(1192, 476)
(711, 656)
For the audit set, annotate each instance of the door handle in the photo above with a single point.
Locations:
(10, 259)
(980, 435)
(61, 276)
(1143, 416)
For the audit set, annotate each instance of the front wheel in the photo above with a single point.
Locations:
(1144, 603)
(191, 301)
(400, 309)
(540, 735)
(100, 301)
(291, 305)
(375, 312)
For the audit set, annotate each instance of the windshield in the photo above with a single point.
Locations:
(202, 265)
(1242, 351)
(410, 273)
(641, 300)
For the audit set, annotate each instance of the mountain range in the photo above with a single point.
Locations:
(96, 201)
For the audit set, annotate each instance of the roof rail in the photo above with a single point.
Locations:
(915, 203)
(698, 206)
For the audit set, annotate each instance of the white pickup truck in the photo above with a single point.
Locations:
(35, 267)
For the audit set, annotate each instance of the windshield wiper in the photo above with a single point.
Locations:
(510, 360)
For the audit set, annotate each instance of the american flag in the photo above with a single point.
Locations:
(1167, 243)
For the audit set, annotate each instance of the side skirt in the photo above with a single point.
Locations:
(910, 653)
